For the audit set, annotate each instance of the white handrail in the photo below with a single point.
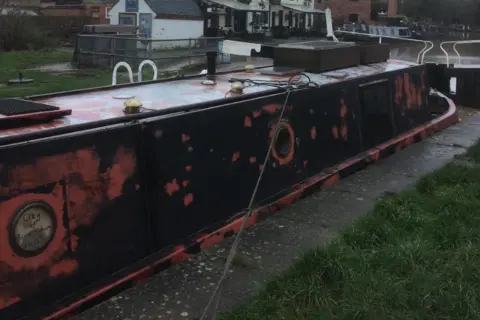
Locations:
(150, 63)
(455, 43)
(428, 45)
(118, 65)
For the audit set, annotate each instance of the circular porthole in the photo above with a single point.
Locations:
(32, 228)
(283, 145)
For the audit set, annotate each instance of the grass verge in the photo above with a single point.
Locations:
(11, 63)
(417, 256)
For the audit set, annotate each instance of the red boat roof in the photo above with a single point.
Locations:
(91, 106)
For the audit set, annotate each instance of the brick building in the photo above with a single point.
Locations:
(95, 10)
(344, 11)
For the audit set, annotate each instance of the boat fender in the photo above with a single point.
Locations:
(237, 87)
(249, 68)
(132, 106)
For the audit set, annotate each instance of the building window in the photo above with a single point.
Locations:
(260, 18)
(95, 12)
(265, 17)
(107, 12)
(127, 19)
(353, 17)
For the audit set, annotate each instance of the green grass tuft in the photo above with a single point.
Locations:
(12, 63)
(417, 256)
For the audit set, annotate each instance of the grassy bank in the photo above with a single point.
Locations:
(11, 63)
(417, 256)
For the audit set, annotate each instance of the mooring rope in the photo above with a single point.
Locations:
(233, 249)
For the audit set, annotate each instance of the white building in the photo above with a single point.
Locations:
(260, 15)
(293, 13)
(238, 15)
(161, 19)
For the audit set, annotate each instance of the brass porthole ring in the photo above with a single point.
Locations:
(283, 148)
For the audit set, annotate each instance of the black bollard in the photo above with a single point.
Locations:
(211, 64)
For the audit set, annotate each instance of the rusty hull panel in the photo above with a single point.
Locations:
(215, 155)
(92, 182)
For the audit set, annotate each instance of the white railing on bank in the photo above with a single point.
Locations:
(428, 45)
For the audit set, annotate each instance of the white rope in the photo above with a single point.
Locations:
(233, 249)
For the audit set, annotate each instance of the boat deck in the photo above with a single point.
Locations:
(107, 104)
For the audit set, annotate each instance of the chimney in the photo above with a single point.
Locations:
(392, 8)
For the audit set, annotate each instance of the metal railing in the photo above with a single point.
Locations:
(107, 50)
(428, 45)
(455, 43)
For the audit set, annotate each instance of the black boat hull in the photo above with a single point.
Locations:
(132, 198)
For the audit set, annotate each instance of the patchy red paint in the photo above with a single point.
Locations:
(209, 240)
(66, 266)
(188, 199)
(256, 114)
(179, 254)
(404, 87)
(74, 242)
(235, 156)
(305, 162)
(188, 168)
(272, 108)
(185, 183)
(398, 90)
(247, 122)
(50, 169)
(374, 155)
(185, 138)
(343, 108)
(335, 132)
(252, 160)
(172, 187)
(6, 301)
(123, 167)
(291, 197)
(313, 133)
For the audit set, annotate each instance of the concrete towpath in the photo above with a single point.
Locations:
(182, 291)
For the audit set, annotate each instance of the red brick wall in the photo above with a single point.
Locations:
(103, 10)
(84, 11)
(392, 8)
(341, 9)
(63, 12)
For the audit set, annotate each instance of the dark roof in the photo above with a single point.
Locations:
(176, 7)
(100, 1)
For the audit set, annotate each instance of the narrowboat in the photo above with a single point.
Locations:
(101, 188)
